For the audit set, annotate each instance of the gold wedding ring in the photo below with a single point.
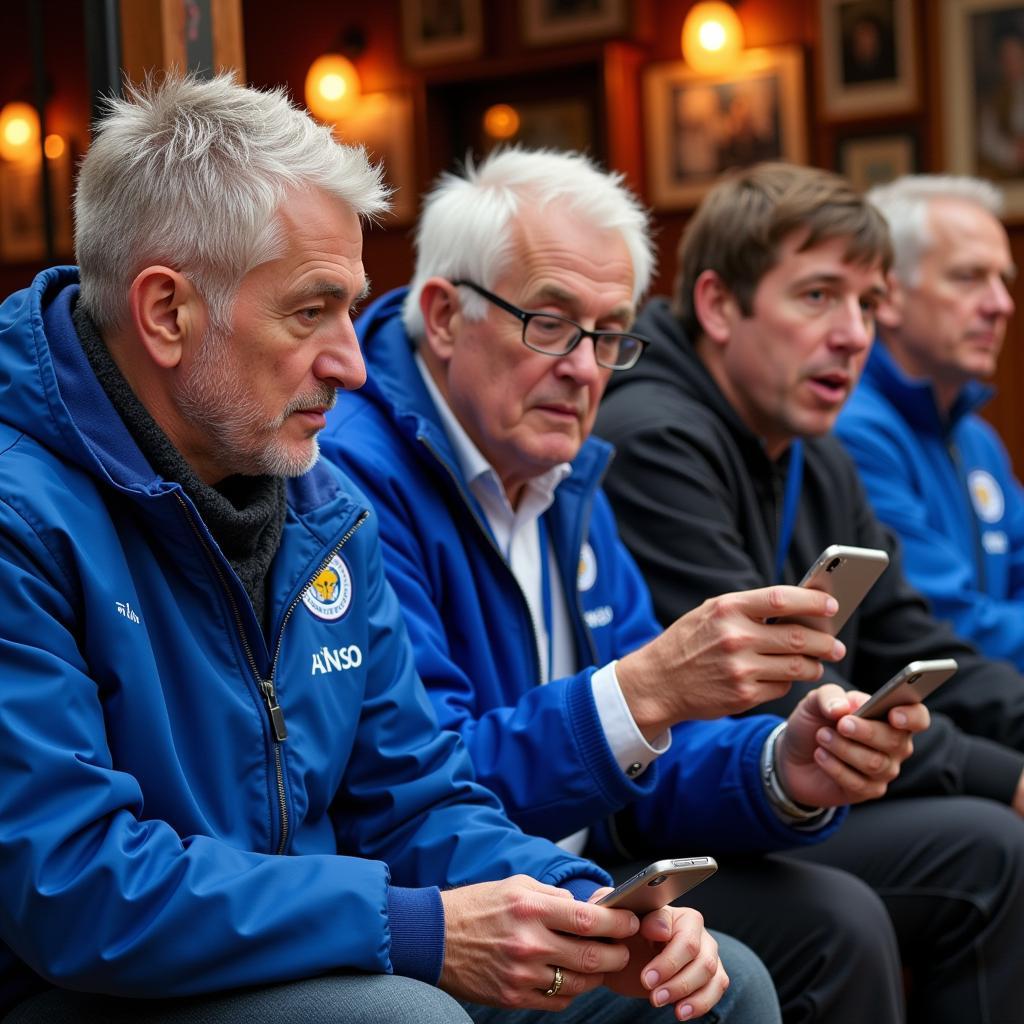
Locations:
(556, 983)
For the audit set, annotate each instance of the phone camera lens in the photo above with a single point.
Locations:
(833, 565)
(658, 880)
(913, 679)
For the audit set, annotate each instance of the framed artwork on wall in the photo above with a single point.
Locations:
(983, 53)
(867, 57)
(569, 21)
(697, 126)
(439, 31)
(869, 160)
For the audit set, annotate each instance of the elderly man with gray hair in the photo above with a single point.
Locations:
(223, 793)
(934, 469)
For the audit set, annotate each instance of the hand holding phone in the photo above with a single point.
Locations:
(659, 883)
(847, 573)
(910, 685)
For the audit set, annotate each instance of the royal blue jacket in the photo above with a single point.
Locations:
(157, 838)
(541, 748)
(945, 485)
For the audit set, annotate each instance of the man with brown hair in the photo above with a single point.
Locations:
(726, 480)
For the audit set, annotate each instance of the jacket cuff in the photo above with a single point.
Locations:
(992, 770)
(581, 888)
(585, 725)
(416, 918)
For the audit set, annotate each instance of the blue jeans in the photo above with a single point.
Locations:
(332, 999)
(383, 999)
(750, 999)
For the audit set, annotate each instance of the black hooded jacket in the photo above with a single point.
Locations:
(699, 503)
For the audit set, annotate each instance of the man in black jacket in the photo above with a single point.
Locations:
(769, 331)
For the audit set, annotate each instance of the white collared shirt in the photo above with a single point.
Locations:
(516, 533)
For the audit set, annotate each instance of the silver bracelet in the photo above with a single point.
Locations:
(777, 796)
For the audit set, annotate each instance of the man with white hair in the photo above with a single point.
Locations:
(531, 626)
(935, 471)
(223, 794)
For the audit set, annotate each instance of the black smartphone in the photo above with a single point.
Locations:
(659, 883)
(911, 684)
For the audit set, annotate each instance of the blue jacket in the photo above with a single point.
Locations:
(947, 488)
(541, 748)
(156, 839)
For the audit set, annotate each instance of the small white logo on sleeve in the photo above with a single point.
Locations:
(329, 595)
(125, 609)
(986, 495)
(586, 571)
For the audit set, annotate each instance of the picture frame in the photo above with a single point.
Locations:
(383, 123)
(983, 54)
(547, 22)
(867, 57)
(869, 160)
(442, 31)
(697, 126)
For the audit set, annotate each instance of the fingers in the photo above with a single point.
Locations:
(862, 767)
(589, 920)
(687, 971)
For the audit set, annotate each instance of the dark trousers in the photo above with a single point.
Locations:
(934, 884)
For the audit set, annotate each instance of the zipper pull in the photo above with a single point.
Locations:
(275, 712)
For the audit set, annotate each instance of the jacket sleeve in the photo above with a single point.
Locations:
(677, 492)
(466, 837)
(99, 896)
(944, 569)
(545, 754)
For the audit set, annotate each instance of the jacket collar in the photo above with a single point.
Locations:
(914, 397)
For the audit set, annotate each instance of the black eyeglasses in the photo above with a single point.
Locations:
(554, 335)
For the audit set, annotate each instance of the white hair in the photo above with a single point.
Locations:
(189, 173)
(465, 228)
(904, 204)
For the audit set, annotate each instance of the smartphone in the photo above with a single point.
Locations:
(911, 684)
(847, 574)
(659, 883)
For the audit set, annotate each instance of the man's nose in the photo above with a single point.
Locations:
(340, 363)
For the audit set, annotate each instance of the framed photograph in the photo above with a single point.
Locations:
(983, 54)
(868, 58)
(440, 31)
(698, 126)
(569, 21)
(869, 160)
(383, 123)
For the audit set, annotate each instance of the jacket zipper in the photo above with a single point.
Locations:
(266, 686)
(979, 554)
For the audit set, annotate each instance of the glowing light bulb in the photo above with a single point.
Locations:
(19, 132)
(712, 36)
(501, 121)
(332, 87)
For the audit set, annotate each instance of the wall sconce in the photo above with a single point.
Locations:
(332, 82)
(501, 121)
(712, 36)
(19, 132)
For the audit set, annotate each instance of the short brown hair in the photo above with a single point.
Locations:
(738, 228)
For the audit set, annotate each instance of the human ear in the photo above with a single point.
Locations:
(166, 312)
(714, 306)
(439, 304)
(889, 311)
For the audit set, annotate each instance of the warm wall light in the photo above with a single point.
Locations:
(501, 121)
(19, 132)
(53, 146)
(712, 36)
(332, 87)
